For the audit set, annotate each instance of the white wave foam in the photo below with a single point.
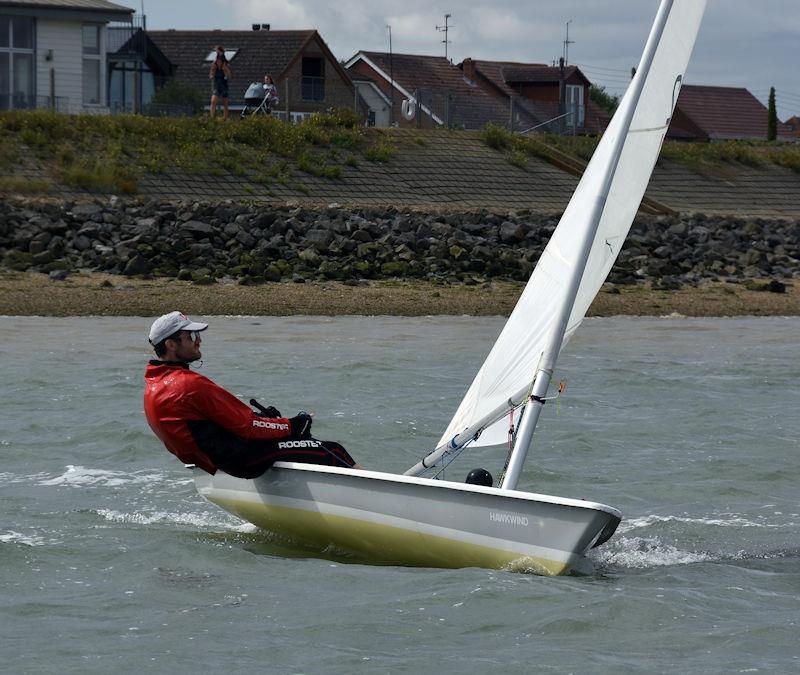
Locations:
(645, 552)
(79, 476)
(13, 537)
(11, 478)
(201, 519)
(733, 520)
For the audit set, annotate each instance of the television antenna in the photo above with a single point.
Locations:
(567, 43)
(444, 29)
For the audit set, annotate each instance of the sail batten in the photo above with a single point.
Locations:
(611, 189)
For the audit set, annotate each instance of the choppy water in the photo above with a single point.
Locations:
(110, 560)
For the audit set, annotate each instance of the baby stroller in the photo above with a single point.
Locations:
(259, 99)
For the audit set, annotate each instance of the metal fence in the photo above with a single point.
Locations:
(20, 101)
(434, 107)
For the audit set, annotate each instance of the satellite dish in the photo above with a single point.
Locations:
(408, 108)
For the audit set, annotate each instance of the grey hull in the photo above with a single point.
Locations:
(402, 520)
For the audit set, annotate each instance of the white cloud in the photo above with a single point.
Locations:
(277, 13)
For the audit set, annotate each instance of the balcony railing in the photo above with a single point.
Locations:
(127, 39)
(20, 101)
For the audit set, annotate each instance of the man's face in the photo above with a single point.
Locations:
(188, 346)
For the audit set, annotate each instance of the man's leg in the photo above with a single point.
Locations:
(213, 104)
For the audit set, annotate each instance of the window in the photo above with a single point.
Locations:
(17, 74)
(575, 105)
(229, 54)
(312, 81)
(22, 33)
(91, 64)
(123, 89)
(5, 32)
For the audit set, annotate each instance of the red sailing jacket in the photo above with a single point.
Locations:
(174, 395)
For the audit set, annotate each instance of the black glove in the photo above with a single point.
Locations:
(301, 425)
(269, 411)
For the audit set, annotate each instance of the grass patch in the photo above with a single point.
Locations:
(110, 152)
(381, 151)
(97, 176)
(23, 185)
(705, 158)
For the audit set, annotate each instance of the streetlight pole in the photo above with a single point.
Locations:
(391, 77)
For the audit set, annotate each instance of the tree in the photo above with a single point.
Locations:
(602, 98)
(772, 117)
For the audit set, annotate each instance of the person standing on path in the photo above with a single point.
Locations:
(219, 74)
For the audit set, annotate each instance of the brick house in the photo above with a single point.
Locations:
(443, 95)
(708, 114)
(53, 53)
(555, 98)
(307, 75)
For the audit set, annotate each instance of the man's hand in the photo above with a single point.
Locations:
(301, 425)
(269, 411)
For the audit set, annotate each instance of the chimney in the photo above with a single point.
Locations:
(468, 66)
(264, 26)
(256, 26)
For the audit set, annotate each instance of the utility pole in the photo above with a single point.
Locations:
(391, 77)
(444, 29)
(567, 43)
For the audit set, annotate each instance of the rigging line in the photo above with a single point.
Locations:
(608, 78)
(610, 70)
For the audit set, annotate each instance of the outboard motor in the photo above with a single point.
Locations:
(480, 477)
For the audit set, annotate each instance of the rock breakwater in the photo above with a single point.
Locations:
(253, 243)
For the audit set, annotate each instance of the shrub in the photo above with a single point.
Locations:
(176, 93)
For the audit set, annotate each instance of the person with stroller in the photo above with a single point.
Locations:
(260, 98)
(219, 74)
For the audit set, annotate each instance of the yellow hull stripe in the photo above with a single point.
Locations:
(385, 544)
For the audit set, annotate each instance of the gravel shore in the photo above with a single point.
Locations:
(93, 294)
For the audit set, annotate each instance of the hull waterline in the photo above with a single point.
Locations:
(399, 520)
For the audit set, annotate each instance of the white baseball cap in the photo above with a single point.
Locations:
(171, 323)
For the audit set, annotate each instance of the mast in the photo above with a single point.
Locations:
(544, 373)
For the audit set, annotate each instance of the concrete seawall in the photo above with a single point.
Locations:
(436, 170)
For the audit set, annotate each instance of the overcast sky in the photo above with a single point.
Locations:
(744, 43)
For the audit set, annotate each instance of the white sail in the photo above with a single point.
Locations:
(512, 362)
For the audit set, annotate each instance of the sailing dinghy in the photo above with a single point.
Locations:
(414, 519)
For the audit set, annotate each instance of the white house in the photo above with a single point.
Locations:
(53, 53)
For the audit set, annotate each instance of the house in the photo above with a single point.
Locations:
(307, 75)
(376, 104)
(53, 53)
(439, 90)
(705, 113)
(136, 67)
(556, 98)
(793, 125)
